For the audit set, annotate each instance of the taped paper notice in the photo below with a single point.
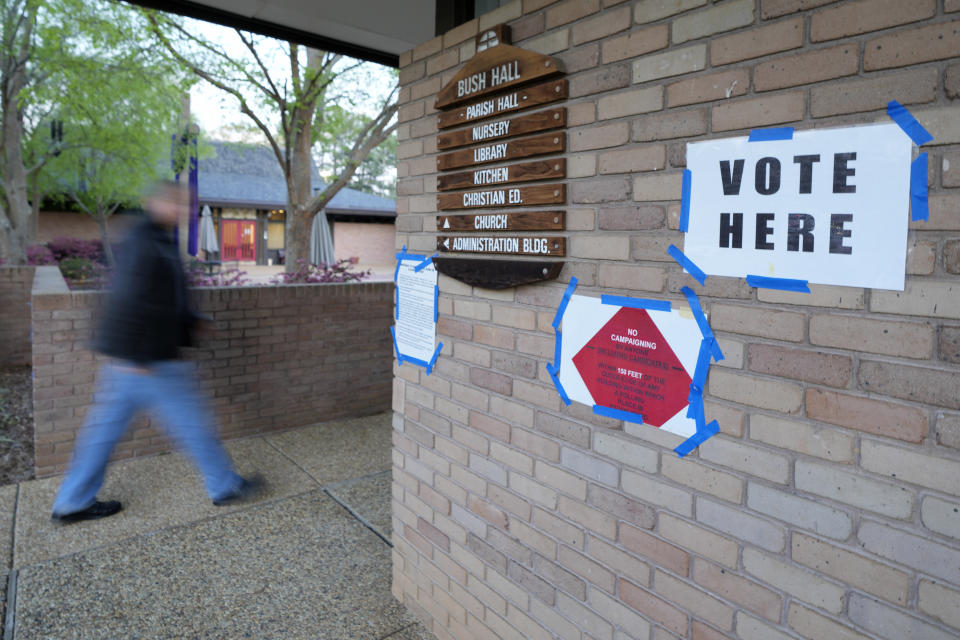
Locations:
(630, 361)
(416, 325)
(828, 206)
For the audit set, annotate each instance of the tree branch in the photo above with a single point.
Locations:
(244, 107)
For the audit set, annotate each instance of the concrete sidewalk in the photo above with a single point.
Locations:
(307, 559)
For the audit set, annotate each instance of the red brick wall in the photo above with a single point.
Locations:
(15, 285)
(828, 506)
(76, 224)
(281, 357)
(372, 243)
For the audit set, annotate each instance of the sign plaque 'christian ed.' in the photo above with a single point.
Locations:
(828, 206)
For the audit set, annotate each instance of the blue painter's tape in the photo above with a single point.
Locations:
(433, 360)
(701, 319)
(775, 133)
(396, 272)
(436, 302)
(698, 438)
(396, 307)
(564, 302)
(685, 199)
(423, 264)
(784, 284)
(396, 347)
(636, 303)
(919, 207)
(687, 264)
(556, 351)
(908, 123)
(560, 390)
(552, 370)
(617, 413)
(703, 365)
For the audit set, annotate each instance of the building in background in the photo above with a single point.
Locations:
(244, 188)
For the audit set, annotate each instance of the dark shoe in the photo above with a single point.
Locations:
(248, 487)
(93, 512)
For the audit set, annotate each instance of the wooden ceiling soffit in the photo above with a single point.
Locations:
(495, 69)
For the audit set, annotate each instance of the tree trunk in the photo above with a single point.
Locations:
(297, 238)
(105, 237)
(15, 222)
(299, 187)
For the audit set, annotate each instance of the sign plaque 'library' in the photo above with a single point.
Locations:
(481, 135)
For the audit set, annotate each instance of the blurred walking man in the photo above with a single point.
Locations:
(147, 318)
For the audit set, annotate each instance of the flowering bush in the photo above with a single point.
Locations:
(307, 273)
(91, 250)
(39, 255)
(197, 277)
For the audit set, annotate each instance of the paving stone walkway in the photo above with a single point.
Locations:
(309, 558)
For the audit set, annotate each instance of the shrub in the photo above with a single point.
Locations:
(39, 255)
(91, 250)
(78, 269)
(307, 273)
(197, 277)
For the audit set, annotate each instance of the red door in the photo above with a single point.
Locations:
(239, 240)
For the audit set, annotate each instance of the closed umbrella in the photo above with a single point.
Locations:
(208, 235)
(321, 240)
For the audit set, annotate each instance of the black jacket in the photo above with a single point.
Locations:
(148, 314)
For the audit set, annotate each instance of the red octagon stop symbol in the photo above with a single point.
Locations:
(629, 366)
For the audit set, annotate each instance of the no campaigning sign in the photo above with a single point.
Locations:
(638, 361)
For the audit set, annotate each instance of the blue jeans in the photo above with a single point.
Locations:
(169, 388)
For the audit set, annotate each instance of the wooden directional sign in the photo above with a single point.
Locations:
(484, 131)
(513, 221)
(497, 273)
(478, 136)
(514, 101)
(510, 174)
(499, 151)
(494, 70)
(504, 197)
(513, 245)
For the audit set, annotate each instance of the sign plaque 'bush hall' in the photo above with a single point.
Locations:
(501, 79)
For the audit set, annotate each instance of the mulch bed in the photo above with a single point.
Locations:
(16, 425)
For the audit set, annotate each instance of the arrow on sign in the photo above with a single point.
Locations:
(446, 223)
(446, 243)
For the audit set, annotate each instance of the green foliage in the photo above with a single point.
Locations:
(88, 66)
(77, 268)
(333, 143)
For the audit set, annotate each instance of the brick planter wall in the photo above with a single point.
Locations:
(281, 357)
(15, 285)
(828, 506)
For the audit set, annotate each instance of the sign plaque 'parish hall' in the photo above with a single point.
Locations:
(480, 133)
